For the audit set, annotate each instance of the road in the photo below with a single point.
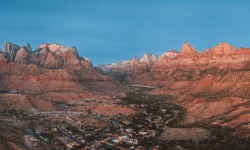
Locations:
(144, 86)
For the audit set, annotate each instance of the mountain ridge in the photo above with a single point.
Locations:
(52, 56)
(223, 55)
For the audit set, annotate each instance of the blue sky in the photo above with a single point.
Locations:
(109, 31)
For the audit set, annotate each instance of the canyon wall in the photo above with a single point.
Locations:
(222, 56)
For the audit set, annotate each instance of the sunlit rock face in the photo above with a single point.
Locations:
(222, 55)
(58, 56)
(188, 54)
(25, 55)
(149, 59)
(29, 71)
(172, 54)
(133, 66)
(53, 56)
(51, 67)
(125, 67)
(9, 50)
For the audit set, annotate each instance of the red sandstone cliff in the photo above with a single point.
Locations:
(133, 66)
(54, 78)
(22, 67)
(222, 56)
(52, 56)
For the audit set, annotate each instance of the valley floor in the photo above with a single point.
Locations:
(133, 119)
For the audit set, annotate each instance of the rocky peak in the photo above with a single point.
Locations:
(133, 66)
(223, 49)
(135, 59)
(10, 50)
(74, 51)
(86, 63)
(56, 48)
(89, 61)
(58, 56)
(172, 54)
(149, 59)
(10, 47)
(27, 47)
(187, 49)
(188, 54)
(46, 55)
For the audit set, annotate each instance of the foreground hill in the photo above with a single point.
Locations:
(213, 85)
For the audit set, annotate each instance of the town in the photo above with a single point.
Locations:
(87, 130)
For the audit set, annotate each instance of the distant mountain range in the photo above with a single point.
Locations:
(222, 55)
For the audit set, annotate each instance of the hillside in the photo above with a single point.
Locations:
(35, 80)
(213, 85)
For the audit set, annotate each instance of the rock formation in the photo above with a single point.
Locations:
(149, 59)
(172, 54)
(222, 56)
(10, 50)
(52, 69)
(58, 56)
(133, 66)
(53, 56)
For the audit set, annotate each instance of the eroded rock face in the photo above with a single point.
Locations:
(9, 50)
(25, 55)
(125, 67)
(51, 67)
(172, 54)
(53, 56)
(58, 56)
(149, 59)
(221, 56)
(133, 66)
(86, 63)
(3, 60)
(188, 54)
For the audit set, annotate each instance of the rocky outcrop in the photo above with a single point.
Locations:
(25, 55)
(52, 67)
(125, 67)
(86, 63)
(221, 53)
(3, 60)
(149, 59)
(188, 54)
(58, 56)
(53, 56)
(9, 50)
(133, 66)
(26, 71)
(222, 56)
(170, 55)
